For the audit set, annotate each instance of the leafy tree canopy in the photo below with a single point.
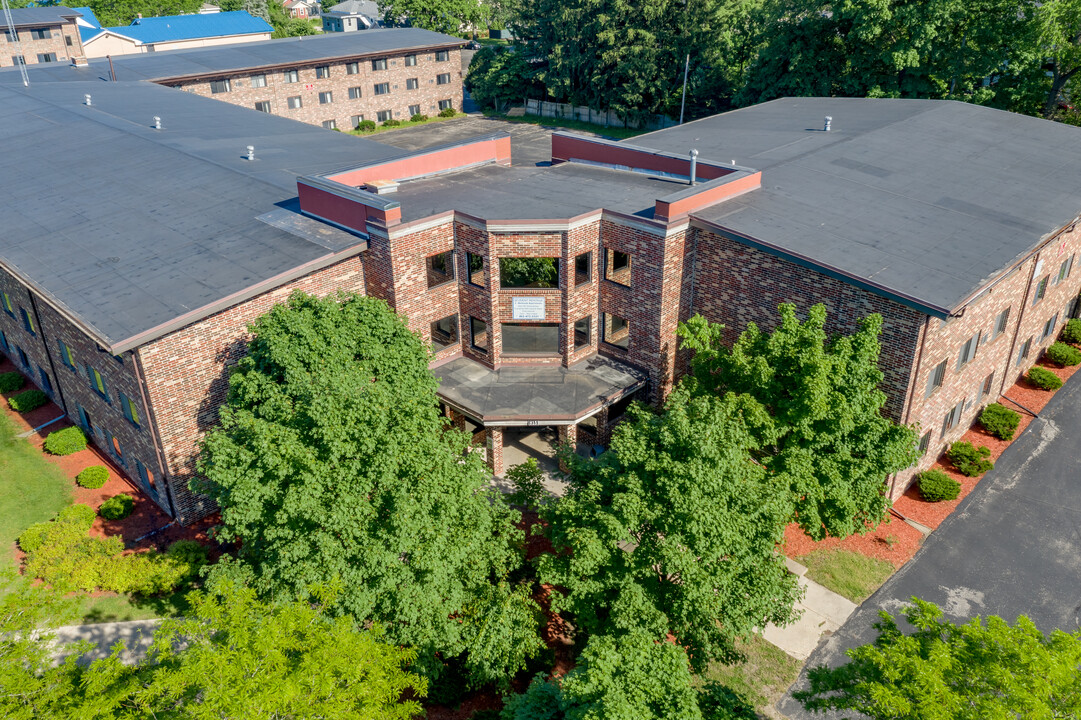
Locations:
(331, 462)
(943, 671)
(817, 428)
(498, 76)
(674, 531)
(445, 16)
(122, 12)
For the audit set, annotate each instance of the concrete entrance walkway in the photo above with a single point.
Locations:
(823, 612)
(136, 636)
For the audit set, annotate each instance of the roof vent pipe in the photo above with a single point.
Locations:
(86, 99)
(251, 152)
(157, 123)
(694, 165)
(829, 120)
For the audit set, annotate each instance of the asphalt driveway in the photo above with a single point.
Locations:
(1013, 547)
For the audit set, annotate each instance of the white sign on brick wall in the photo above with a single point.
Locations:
(527, 308)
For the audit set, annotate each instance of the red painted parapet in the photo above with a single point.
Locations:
(679, 204)
(345, 206)
(566, 147)
(431, 162)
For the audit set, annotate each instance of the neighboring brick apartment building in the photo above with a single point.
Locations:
(550, 295)
(45, 35)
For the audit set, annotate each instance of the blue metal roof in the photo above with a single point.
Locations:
(191, 27)
(88, 19)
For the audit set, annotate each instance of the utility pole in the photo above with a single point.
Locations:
(683, 103)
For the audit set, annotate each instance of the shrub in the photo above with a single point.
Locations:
(65, 442)
(1044, 378)
(392, 123)
(969, 459)
(366, 125)
(117, 507)
(419, 117)
(936, 486)
(1000, 421)
(81, 513)
(11, 381)
(1062, 354)
(1072, 333)
(448, 112)
(28, 400)
(528, 482)
(93, 477)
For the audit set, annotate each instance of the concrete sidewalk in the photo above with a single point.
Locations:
(136, 635)
(823, 612)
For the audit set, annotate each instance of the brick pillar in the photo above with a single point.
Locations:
(456, 418)
(495, 449)
(568, 435)
(604, 433)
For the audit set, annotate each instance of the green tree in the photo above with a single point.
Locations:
(446, 16)
(255, 8)
(818, 429)
(332, 462)
(1058, 38)
(499, 76)
(674, 531)
(943, 671)
(122, 12)
(630, 677)
(285, 26)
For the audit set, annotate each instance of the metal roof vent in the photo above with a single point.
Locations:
(829, 120)
(86, 99)
(251, 152)
(694, 164)
(157, 123)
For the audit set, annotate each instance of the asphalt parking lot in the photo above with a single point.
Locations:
(1012, 547)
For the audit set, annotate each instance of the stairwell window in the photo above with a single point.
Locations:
(617, 267)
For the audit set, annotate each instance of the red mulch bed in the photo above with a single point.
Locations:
(893, 541)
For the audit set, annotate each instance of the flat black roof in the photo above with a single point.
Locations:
(133, 231)
(924, 200)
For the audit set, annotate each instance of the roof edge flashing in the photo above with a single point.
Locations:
(449, 157)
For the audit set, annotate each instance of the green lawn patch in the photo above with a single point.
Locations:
(32, 490)
(121, 608)
(763, 676)
(846, 573)
(568, 124)
(493, 41)
(405, 124)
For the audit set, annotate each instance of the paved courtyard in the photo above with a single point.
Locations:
(1013, 547)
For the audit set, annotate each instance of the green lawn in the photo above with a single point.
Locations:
(405, 124)
(846, 573)
(760, 679)
(493, 41)
(32, 490)
(119, 608)
(611, 132)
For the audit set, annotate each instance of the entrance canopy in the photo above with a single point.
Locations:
(535, 394)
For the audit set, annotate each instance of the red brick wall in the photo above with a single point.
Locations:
(186, 373)
(342, 109)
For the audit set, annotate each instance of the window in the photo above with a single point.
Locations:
(131, 411)
(322, 72)
(18, 60)
(1023, 352)
(412, 83)
(146, 476)
(530, 339)
(617, 331)
(46, 383)
(294, 103)
(380, 64)
(475, 265)
(938, 375)
(441, 55)
(414, 110)
(7, 305)
(583, 268)
(1000, 323)
(41, 33)
(263, 106)
(84, 421)
(22, 357)
(355, 120)
(1049, 327)
(1041, 290)
(442, 79)
(291, 76)
(582, 332)
(67, 40)
(66, 355)
(352, 68)
(258, 81)
(28, 322)
(445, 332)
(446, 104)
(440, 268)
(968, 351)
(382, 88)
(925, 442)
(383, 115)
(529, 272)
(114, 445)
(953, 416)
(355, 93)
(46, 57)
(4, 342)
(326, 97)
(97, 382)
(410, 60)
(478, 331)
(220, 86)
(988, 382)
(330, 125)
(617, 267)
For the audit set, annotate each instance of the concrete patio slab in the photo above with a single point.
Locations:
(823, 612)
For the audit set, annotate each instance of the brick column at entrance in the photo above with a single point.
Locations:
(456, 418)
(568, 435)
(604, 433)
(495, 449)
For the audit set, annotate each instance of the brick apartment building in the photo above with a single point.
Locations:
(550, 295)
(45, 35)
